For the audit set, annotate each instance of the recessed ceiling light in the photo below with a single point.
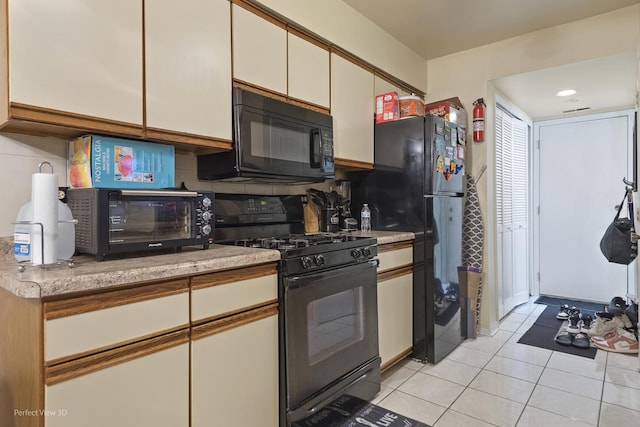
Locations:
(567, 92)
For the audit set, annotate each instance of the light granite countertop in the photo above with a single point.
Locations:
(385, 237)
(88, 274)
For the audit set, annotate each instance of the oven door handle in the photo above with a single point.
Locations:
(331, 398)
(301, 281)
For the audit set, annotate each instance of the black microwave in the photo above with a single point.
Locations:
(273, 141)
(117, 221)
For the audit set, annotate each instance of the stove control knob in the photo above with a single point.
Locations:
(206, 229)
(319, 260)
(355, 253)
(206, 215)
(206, 202)
(306, 262)
(366, 252)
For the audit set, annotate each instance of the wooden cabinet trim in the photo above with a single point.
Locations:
(353, 164)
(98, 301)
(399, 358)
(395, 246)
(234, 321)
(396, 82)
(18, 111)
(234, 275)
(120, 344)
(396, 272)
(168, 136)
(219, 316)
(79, 367)
(296, 31)
(261, 12)
(352, 58)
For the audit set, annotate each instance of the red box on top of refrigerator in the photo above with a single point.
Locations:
(387, 107)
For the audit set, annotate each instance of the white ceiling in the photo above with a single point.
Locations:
(434, 28)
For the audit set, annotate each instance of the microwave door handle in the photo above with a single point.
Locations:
(316, 149)
(179, 193)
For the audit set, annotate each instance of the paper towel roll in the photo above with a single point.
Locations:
(44, 197)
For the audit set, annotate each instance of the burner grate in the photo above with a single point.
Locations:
(295, 241)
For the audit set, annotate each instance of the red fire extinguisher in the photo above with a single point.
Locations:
(478, 120)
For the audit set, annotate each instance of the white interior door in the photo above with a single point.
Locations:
(512, 208)
(582, 163)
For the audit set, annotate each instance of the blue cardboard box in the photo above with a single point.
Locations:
(108, 162)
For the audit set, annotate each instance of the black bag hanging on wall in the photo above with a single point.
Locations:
(616, 244)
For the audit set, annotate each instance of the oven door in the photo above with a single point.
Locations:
(331, 327)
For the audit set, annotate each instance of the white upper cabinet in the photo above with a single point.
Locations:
(188, 66)
(352, 107)
(382, 86)
(308, 68)
(259, 51)
(77, 56)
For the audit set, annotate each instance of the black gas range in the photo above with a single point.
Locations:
(302, 253)
(327, 292)
(277, 222)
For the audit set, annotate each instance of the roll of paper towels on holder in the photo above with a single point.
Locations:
(44, 199)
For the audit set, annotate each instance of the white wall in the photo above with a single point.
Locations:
(467, 75)
(19, 159)
(337, 22)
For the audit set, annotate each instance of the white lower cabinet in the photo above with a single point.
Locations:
(151, 390)
(395, 317)
(234, 370)
(395, 302)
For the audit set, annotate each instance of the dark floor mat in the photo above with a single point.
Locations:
(350, 411)
(582, 305)
(543, 331)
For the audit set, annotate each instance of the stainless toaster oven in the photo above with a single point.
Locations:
(117, 221)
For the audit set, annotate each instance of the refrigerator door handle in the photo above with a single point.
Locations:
(432, 196)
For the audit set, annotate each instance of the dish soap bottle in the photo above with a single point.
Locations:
(365, 218)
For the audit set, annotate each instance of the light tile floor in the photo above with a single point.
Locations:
(494, 381)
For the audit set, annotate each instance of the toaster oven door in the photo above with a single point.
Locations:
(148, 220)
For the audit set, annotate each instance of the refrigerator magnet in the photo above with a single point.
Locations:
(462, 137)
(460, 152)
(440, 164)
(454, 136)
(438, 127)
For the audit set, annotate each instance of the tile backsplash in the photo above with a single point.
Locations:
(20, 156)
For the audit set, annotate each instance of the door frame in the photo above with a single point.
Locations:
(535, 207)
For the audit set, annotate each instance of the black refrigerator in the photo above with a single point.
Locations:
(417, 185)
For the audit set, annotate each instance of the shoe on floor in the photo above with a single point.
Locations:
(632, 313)
(564, 338)
(563, 313)
(585, 326)
(581, 340)
(604, 324)
(574, 323)
(620, 341)
(617, 306)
